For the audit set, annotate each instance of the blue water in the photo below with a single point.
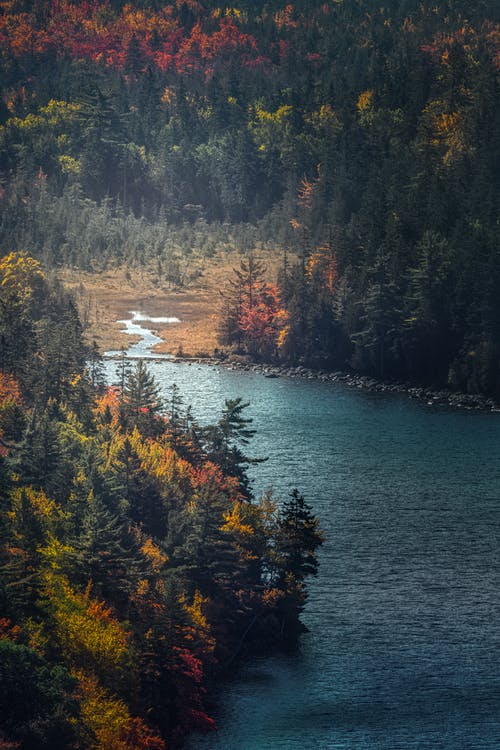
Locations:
(404, 617)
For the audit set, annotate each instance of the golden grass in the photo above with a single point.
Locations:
(106, 297)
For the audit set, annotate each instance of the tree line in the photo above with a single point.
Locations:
(366, 132)
(135, 565)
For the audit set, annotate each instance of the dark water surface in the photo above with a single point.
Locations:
(404, 616)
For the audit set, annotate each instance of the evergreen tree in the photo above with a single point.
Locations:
(142, 401)
(224, 442)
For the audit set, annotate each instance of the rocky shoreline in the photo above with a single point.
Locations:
(432, 397)
(242, 363)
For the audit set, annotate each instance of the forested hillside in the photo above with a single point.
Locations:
(134, 563)
(362, 135)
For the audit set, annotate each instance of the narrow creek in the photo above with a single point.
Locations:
(403, 644)
(142, 349)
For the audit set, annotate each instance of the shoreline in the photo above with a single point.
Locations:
(195, 336)
(431, 396)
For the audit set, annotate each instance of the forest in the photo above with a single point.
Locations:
(375, 159)
(358, 140)
(360, 137)
(135, 565)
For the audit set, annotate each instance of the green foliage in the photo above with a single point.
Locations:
(226, 440)
(299, 537)
(37, 707)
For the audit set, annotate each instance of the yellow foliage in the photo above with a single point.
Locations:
(106, 716)
(41, 505)
(37, 640)
(168, 96)
(20, 274)
(69, 165)
(236, 520)
(85, 628)
(365, 101)
(156, 558)
(200, 624)
(55, 552)
(142, 587)
(54, 114)
(325, 118)
(160, 461)
(196, 611)
(277, 118)
(282, 336)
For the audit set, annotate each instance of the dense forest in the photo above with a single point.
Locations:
(361, 136)
(135, 566)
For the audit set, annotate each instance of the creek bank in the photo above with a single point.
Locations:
(432, 396)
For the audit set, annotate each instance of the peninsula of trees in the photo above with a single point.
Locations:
(135, 566)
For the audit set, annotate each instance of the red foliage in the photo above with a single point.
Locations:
(261, 318)
(8, 631)
(140, 737)
(210, 476)
(93, 30)
(189, 676)
(9, 388)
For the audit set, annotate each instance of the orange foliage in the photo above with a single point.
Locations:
(6, 745)
(469, 39)
(155, 557)
(91, 29)
(272, 597)
(308, 188)
(323, 264)
(210, 477)
(110, 400)
(263, 319)
(9, 388)
(284, 18)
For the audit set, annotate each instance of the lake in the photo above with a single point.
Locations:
(404, 617)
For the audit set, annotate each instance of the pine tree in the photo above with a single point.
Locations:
(142, 402)
(299, 537)
(224, 441)
(105, 553)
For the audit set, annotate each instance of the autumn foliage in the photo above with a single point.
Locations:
(134, 563)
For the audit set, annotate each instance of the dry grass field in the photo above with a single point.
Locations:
(106, 297)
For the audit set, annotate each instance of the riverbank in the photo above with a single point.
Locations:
(107, 299)
(432, 397)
